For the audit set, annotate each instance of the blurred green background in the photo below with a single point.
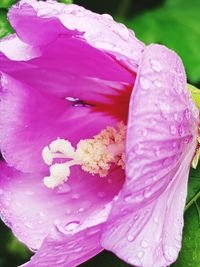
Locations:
(175, 23)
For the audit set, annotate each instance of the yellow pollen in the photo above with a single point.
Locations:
(95, 155)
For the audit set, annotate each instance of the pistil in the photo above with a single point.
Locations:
(95, 155)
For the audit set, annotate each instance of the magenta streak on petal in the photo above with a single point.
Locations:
(161, 140)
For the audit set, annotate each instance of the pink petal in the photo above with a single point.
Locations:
(145, 224)
(34, 212)
(15, 49)
(63, 249)
(30, 120)
(105, 33)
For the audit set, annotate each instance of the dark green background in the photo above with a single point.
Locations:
(175, 23)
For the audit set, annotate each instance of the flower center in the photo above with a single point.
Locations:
(95, 155)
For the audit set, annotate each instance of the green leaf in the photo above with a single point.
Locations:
(5, 27)
(176, 25)
(193, 187)
(7, 3)
(66, 1)
(190, 253)
(195, 94)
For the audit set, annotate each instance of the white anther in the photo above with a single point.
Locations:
(47, 155)
(59, 174)
(60, 170)
(52, 182)
(63, 146)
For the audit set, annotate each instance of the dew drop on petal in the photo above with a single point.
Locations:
(140, 254)
(156, 65)
(157, 152)
(75, 196)
(147, 192)
(144, 244)
(78, 13)
(107, 16)
(130, 238)
(172, 129)
(63, 189)
(181, 130)
(157, 83)
(155, 220)
(139, 149)
(101, 194)
(72, 225)
(145, 84)
(187, 114)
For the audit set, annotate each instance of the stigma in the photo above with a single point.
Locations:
(95, 155)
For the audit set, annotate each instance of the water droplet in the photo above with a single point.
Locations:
(156, 65)
(157, 83)
(147, 192)
(62, 189)
(107, 16)
(140, 254)
(181, 130)
(174, 144)
(157, 152)
(110, 181)
(29, 193)
(78, 13)
(164, 109)
(81, 210)
(28, 225)
(124, 32)
(92, 231)
(130, 238)
(144, 244)
(167, 162)
(145, 84)
(72, 225)
(178, 237)
(136, 217)
(60, 261)
(101, 194)
(153, 122)
(68, 211)
(128, 198)
(172, 129)
(176, 116)
(144, 132)
(4, 81)
(139, 149)
(75, 196)
(170, 253)
(155, 220)
(187, 139)
(187, 114)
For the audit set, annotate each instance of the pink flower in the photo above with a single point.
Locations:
(71, 73)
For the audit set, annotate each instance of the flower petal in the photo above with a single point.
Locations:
(66, 68)
(15, 49)
(62, 248)
(105, 33)
(30, 120)
(147, 218)
(33, 211)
